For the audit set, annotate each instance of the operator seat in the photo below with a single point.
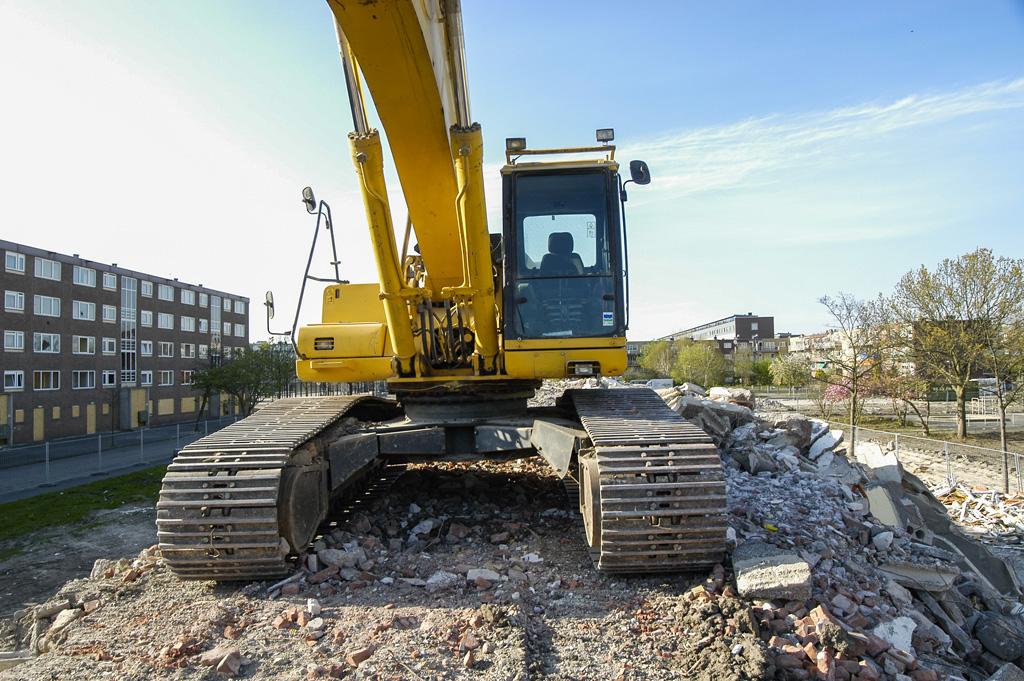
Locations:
(560, 258)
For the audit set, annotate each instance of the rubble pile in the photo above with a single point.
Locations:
(854, 567)
(986, 514)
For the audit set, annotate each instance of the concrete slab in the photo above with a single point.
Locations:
(766, 571)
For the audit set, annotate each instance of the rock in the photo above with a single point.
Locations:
(756, 460)
(883, 540)
(929, 577)
(313, 607)
(532, 558)
(102, 568)
(899, 595)
(898, 633)
(290, 589)
(51, 608)
(469, 660)
(230, 664)
(482, 573)
(842, 603)
(740, 396)
(442, 580)
(423, 527)
(883, 465)
(339, 559)
(766, 571)
(315, 624)
(63, 619)
(1000, 635)
(213, 656)
(1008, 672)
(826, 442)
(357, 657)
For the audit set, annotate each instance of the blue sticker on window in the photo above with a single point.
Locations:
(608, 319)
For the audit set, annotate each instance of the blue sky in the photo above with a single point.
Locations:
(797, 149)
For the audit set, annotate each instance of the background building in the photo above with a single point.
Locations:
(94, 347)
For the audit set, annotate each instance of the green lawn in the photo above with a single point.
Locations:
(74, 504)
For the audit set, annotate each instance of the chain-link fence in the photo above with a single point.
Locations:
(55, 461)
(941, 462)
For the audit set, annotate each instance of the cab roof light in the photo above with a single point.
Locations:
(606, 135)
(515, 143)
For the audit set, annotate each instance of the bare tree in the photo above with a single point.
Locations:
(861, 337)
(790, 370)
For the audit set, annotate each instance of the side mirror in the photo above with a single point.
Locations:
(639, 172)
(310, 200)
(269, 303)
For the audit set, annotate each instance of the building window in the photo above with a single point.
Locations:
(110, 281)
(146, 377)
(204, 326)
(83, 310)
(188, 351)
(14, 380)
(204, 300)
(186, 376)
(239, 330)
(227, 328)
(146, 317)
(166, 377)
(83, 345)
(239, 307)
(82, 380)
(109, 314)
(165, 320)
(165, 292)
(204, 351)
(46, 306)
(227, 305)
(109, 346)
(146, 348)
(188, 323)
(46, 380)
(84, 276)
(166, 349)
(14, 262)
(227, 352)
(109, 378)
(188, 297)
(47, 269)
(146, 288)
(14, 301)
(753, 326)
(46, 342)
(14, 341)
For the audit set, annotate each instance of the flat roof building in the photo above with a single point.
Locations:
(737, 328)
(93, 347)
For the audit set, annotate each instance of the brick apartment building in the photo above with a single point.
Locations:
(730, 332)
(93, 347)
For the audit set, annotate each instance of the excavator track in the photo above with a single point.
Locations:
(220, 511)
(652, 492)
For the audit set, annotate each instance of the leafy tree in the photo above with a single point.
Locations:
(762, 372)
(700, 363)
(790, 371)
(942, 315)
(659, 357)
(906, 391)
(743, 363)
(249, 377)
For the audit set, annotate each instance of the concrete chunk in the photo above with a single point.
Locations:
(884, 465)
(1008, 672)
(766, 571)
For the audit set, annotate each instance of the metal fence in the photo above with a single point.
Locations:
(942, 461)
(54, 461)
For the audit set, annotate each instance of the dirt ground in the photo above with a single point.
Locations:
(38, 565)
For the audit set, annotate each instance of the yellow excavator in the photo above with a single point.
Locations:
(463, 328)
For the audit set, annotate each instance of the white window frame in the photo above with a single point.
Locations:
(19, 382)
(165, 320)
(109, 379)
(165, 349)
(110, 281)
(227, 305)
(204, 351)
(90, 345)
(17, 296)
(44, 268)
(146, 377)
(188, 351)
(84, 310)
(204, 325)
(188, 376)
(239, 307)
(227, 328)
(37, 304)
(83, 276)
(204, 300)
(53, 373)
(38, 337)
(146, 289)
(146, 317)
(169, 375)
(76, 379)
(187, 323)
(187, 297)
(239, 330)
(226, 351)
(110, 343)
(165, 292)
(18, 266)
(109, 314)
(146, 348)
(14, 341)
